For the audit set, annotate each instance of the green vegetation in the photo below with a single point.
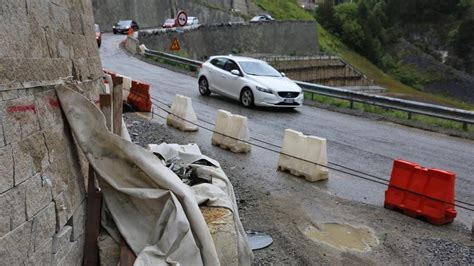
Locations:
(331, 44)
(284, 9)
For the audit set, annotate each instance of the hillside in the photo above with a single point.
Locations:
(402, 79)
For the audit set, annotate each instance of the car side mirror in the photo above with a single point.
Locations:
(235, 72)
(283, 74)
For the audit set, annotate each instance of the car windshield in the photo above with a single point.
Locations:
(124, 23)
(256, 68)
(170, 20)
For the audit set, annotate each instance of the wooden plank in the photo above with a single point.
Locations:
(93, 205)
(117, 105)
(106, 108)
(127, 257)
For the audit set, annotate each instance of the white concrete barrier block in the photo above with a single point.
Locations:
(182, 114)
(231, 132)
(313, 152)
(141, 49)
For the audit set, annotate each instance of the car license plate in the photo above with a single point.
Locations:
(289, 100)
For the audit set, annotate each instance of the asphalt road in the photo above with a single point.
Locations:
(358, 143)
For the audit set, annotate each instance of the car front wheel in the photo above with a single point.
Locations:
(246, 98)
(204, 87)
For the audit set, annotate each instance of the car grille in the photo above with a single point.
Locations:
(288, 94)
(289, 104)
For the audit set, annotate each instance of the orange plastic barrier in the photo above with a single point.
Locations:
(139, 96)
(421, 192)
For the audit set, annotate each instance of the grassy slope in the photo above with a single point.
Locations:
(284, 9)
(288, 9)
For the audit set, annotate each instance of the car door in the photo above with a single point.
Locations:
(231, 83)
(216, 70)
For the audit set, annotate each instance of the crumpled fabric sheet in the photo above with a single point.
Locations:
(154, 211)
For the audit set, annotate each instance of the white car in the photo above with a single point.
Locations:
(251, 81)
(262, 18)
(192, 21)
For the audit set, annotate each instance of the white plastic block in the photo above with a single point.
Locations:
(231, 132)
(182, 114)
(311, 149)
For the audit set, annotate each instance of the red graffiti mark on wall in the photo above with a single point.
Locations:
(54, 103)
(22, 108)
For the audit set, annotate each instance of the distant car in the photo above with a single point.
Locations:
(251, 81)
(263, 17)
(192, 21)
(98, 35)
(124, 25)
(170, 23)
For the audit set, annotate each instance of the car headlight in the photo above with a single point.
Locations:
(113, 27)
(263, 89)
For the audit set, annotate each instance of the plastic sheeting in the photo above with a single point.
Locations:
(155, 212)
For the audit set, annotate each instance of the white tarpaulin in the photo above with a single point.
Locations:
(155, 212)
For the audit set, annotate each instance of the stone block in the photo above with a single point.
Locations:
(42, 256)
(221, 225)
(63, 210)
(38, 195)
(66, 179)
(6, 168)
(43, 227)
(109, 250)
(95, 67)
(231, 132)
(48, 110)
(78, 222)
(19, 119)
(75, 255)
(76, 20)
(60, 20)
(30, 156)
(303, 155)
(9, 95)
(36, 42)
(182, 114)
(56, 144)
(15, 245)
(39, 11)
(12, 209)
(80, 69)
(7, 70)
(62, 243)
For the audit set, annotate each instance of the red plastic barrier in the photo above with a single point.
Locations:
(421, 192)
(139, 96)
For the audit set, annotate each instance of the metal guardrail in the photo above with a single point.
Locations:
(411, 107)
(174, 58)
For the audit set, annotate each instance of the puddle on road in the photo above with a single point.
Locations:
(342, 236)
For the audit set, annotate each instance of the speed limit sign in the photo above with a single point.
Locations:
(181, 18)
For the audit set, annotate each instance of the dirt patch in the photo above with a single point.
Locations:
(281, 205)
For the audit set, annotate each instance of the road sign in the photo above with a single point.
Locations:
(175, 45)
(181, 18)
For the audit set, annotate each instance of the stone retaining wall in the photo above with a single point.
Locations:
(42, 172)
(277, 37)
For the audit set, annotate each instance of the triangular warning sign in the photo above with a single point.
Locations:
(175, 45)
